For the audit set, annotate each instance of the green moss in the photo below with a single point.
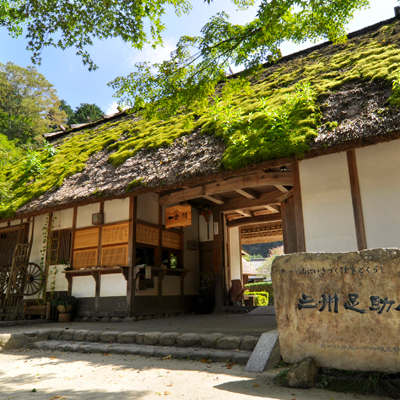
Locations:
(135, 183)
(257, 124)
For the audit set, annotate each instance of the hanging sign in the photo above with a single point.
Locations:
(178, 216)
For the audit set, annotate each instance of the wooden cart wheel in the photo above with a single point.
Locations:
(4, 278)
(28, 279)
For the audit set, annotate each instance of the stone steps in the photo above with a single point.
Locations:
(164, 352)
(211, 346)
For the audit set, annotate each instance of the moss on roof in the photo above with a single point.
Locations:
(277, 117)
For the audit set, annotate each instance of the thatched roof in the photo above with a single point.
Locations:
(353, 105)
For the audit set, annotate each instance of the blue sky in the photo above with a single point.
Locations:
(76, 85)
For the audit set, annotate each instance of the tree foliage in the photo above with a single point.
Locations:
(265, 269)
(188, 78)
(64, 23)
(28, 104)
(84, 113)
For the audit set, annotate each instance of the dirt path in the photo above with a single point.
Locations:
(40, 375)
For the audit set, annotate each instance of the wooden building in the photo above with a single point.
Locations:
(102, 199)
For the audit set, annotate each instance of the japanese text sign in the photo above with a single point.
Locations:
(178, 216)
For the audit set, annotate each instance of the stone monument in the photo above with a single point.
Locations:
(342, 309)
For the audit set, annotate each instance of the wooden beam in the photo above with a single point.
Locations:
(254, 220)
(249, 193)
(245, 213)
(241, 202)
(356, 200)
(285, 196)
(248, 181)
(217, 199)
(298, 208)
(274, 209)
(282, 188)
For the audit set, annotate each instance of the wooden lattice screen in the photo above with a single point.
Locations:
(10, 307)
(9, 238)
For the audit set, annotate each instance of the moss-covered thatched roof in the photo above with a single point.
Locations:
(325, 99)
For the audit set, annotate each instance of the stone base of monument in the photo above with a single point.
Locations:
(303, 375)
(266, 353)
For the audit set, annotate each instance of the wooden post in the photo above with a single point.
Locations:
(47, 256)
(131, 284)
(356, 200)
(298, 207)
(74, 219)
(101, 210)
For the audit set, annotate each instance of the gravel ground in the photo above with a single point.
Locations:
(46, 375)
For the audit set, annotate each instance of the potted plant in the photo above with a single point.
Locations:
(65, 305)
(204, 304)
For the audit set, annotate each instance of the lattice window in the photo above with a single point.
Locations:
(60, 246)
(85, 258)
(114, 256)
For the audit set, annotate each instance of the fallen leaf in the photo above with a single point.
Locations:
(167, 357)
(53, 357)
(169, 385)
(105, 354)
(57, 397)
(158, 394)
(166, 393)
(256, 385)
(204, 360)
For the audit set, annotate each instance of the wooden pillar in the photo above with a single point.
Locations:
(74, 219)
(356, 200)
(131, 284)
(101, 210)
(298, 207)
(47, 255)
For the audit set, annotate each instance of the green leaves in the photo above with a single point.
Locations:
(185, 81)
(64, 23)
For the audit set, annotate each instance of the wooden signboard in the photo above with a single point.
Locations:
(178, 216)
(147, 234)
(171, 240)
(115, 234)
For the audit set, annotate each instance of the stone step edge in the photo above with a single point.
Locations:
(166, 352)
(206, 340)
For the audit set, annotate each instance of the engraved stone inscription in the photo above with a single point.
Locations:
(343, 309)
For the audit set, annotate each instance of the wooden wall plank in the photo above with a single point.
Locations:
(356, 200)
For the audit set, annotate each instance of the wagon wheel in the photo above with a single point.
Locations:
(4, 278)
(28, 279)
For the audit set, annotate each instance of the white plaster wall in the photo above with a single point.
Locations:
(235, 253)
(171, 285)
(63, 219)
(37, 242)
(84, 216)
(379, 177)
(112, 285)
(203, 228)
(327, 205)
(147, 208)
(83, 286)
(116, 210)
(15, 222)
(61, 281)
